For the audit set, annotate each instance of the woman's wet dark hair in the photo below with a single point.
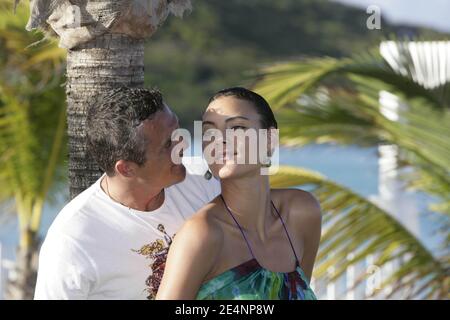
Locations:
(261, 105)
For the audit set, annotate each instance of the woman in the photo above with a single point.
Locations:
(250, 242)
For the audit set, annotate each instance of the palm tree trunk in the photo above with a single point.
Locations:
(22, 279)
(105, 42)
(106, 62)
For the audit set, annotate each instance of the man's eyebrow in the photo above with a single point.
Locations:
(169, 138)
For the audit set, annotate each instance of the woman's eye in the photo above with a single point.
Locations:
(208, 132)
(238, 127)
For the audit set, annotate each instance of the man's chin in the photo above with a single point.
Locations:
(179, 172)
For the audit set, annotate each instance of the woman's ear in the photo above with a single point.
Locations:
(272, 140)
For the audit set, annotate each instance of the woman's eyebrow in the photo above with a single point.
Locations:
(227, 120)
(237, 117)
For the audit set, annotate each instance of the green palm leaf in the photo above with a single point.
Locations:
(32, 119)
(352, 224)
(284, 83)
(355, 118)
(322, 100)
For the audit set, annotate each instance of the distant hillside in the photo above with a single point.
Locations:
(214, 46)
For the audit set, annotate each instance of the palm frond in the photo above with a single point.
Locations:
(283, 83)
(338, 100)
(32, 118)
(32, 141)
(353, 224)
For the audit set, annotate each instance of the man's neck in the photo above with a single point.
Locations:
(131, 195)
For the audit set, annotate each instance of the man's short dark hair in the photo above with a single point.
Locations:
(112, 125)
(261, 105)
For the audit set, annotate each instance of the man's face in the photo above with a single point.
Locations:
(159, 169)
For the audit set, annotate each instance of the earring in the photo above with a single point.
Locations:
(208, 175)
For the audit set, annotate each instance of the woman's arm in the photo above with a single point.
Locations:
(308, 221)
(191, 257)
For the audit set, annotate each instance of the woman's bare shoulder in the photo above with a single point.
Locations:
(203, 227)
(302, 206)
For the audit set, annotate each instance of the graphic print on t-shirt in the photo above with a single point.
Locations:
(156, 251)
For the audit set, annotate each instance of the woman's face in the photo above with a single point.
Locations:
(232, 138)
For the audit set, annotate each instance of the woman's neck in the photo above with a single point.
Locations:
(248, 198)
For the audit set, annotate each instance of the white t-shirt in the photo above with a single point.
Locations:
(98, 249)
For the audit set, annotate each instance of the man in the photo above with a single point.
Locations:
(111, 241)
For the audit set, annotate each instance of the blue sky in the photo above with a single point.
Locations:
(428, 13)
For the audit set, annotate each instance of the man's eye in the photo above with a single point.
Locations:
(238, 127)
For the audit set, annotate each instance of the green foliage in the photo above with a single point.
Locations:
(221, 43)
(322, 100)
(355, 225)
(32, 118)
(339, 102)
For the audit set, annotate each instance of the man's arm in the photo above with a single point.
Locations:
(65, 272)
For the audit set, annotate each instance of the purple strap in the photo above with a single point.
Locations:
(287, 233)
(245, 238)
(242, 231)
